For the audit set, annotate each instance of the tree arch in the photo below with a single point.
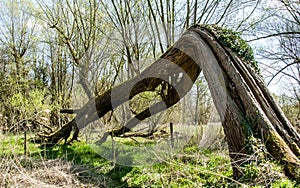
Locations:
(249, 115)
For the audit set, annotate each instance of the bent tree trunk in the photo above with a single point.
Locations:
(249, 115)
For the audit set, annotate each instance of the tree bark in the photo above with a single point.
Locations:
(246, 108)
(250, 110)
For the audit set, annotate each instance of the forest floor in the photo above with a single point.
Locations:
(78, 165)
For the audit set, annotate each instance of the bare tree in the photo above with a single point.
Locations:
(283, 54)
(17, 34)
(76, 24)
(17, 41)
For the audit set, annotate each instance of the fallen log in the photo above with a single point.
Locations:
(174, 67)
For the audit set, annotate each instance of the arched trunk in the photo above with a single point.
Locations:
(247, 110)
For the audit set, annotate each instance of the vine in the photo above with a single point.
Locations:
(234, 41)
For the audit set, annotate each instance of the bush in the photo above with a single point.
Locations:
(23, 108)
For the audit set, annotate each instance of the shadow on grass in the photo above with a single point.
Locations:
(89, 166)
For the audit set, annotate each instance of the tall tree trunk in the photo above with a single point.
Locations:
(246, 108)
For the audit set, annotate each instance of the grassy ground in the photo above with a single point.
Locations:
(78, 165)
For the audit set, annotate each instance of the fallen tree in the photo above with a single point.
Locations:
(250, 117)
(175, 66)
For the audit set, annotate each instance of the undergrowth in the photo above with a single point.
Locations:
(78, 165)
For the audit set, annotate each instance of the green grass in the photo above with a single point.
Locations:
(190, 167)
(13, 144)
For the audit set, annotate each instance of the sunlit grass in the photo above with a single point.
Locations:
(81, 164)
(13, 144)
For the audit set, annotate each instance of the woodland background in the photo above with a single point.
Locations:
(58, 54)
